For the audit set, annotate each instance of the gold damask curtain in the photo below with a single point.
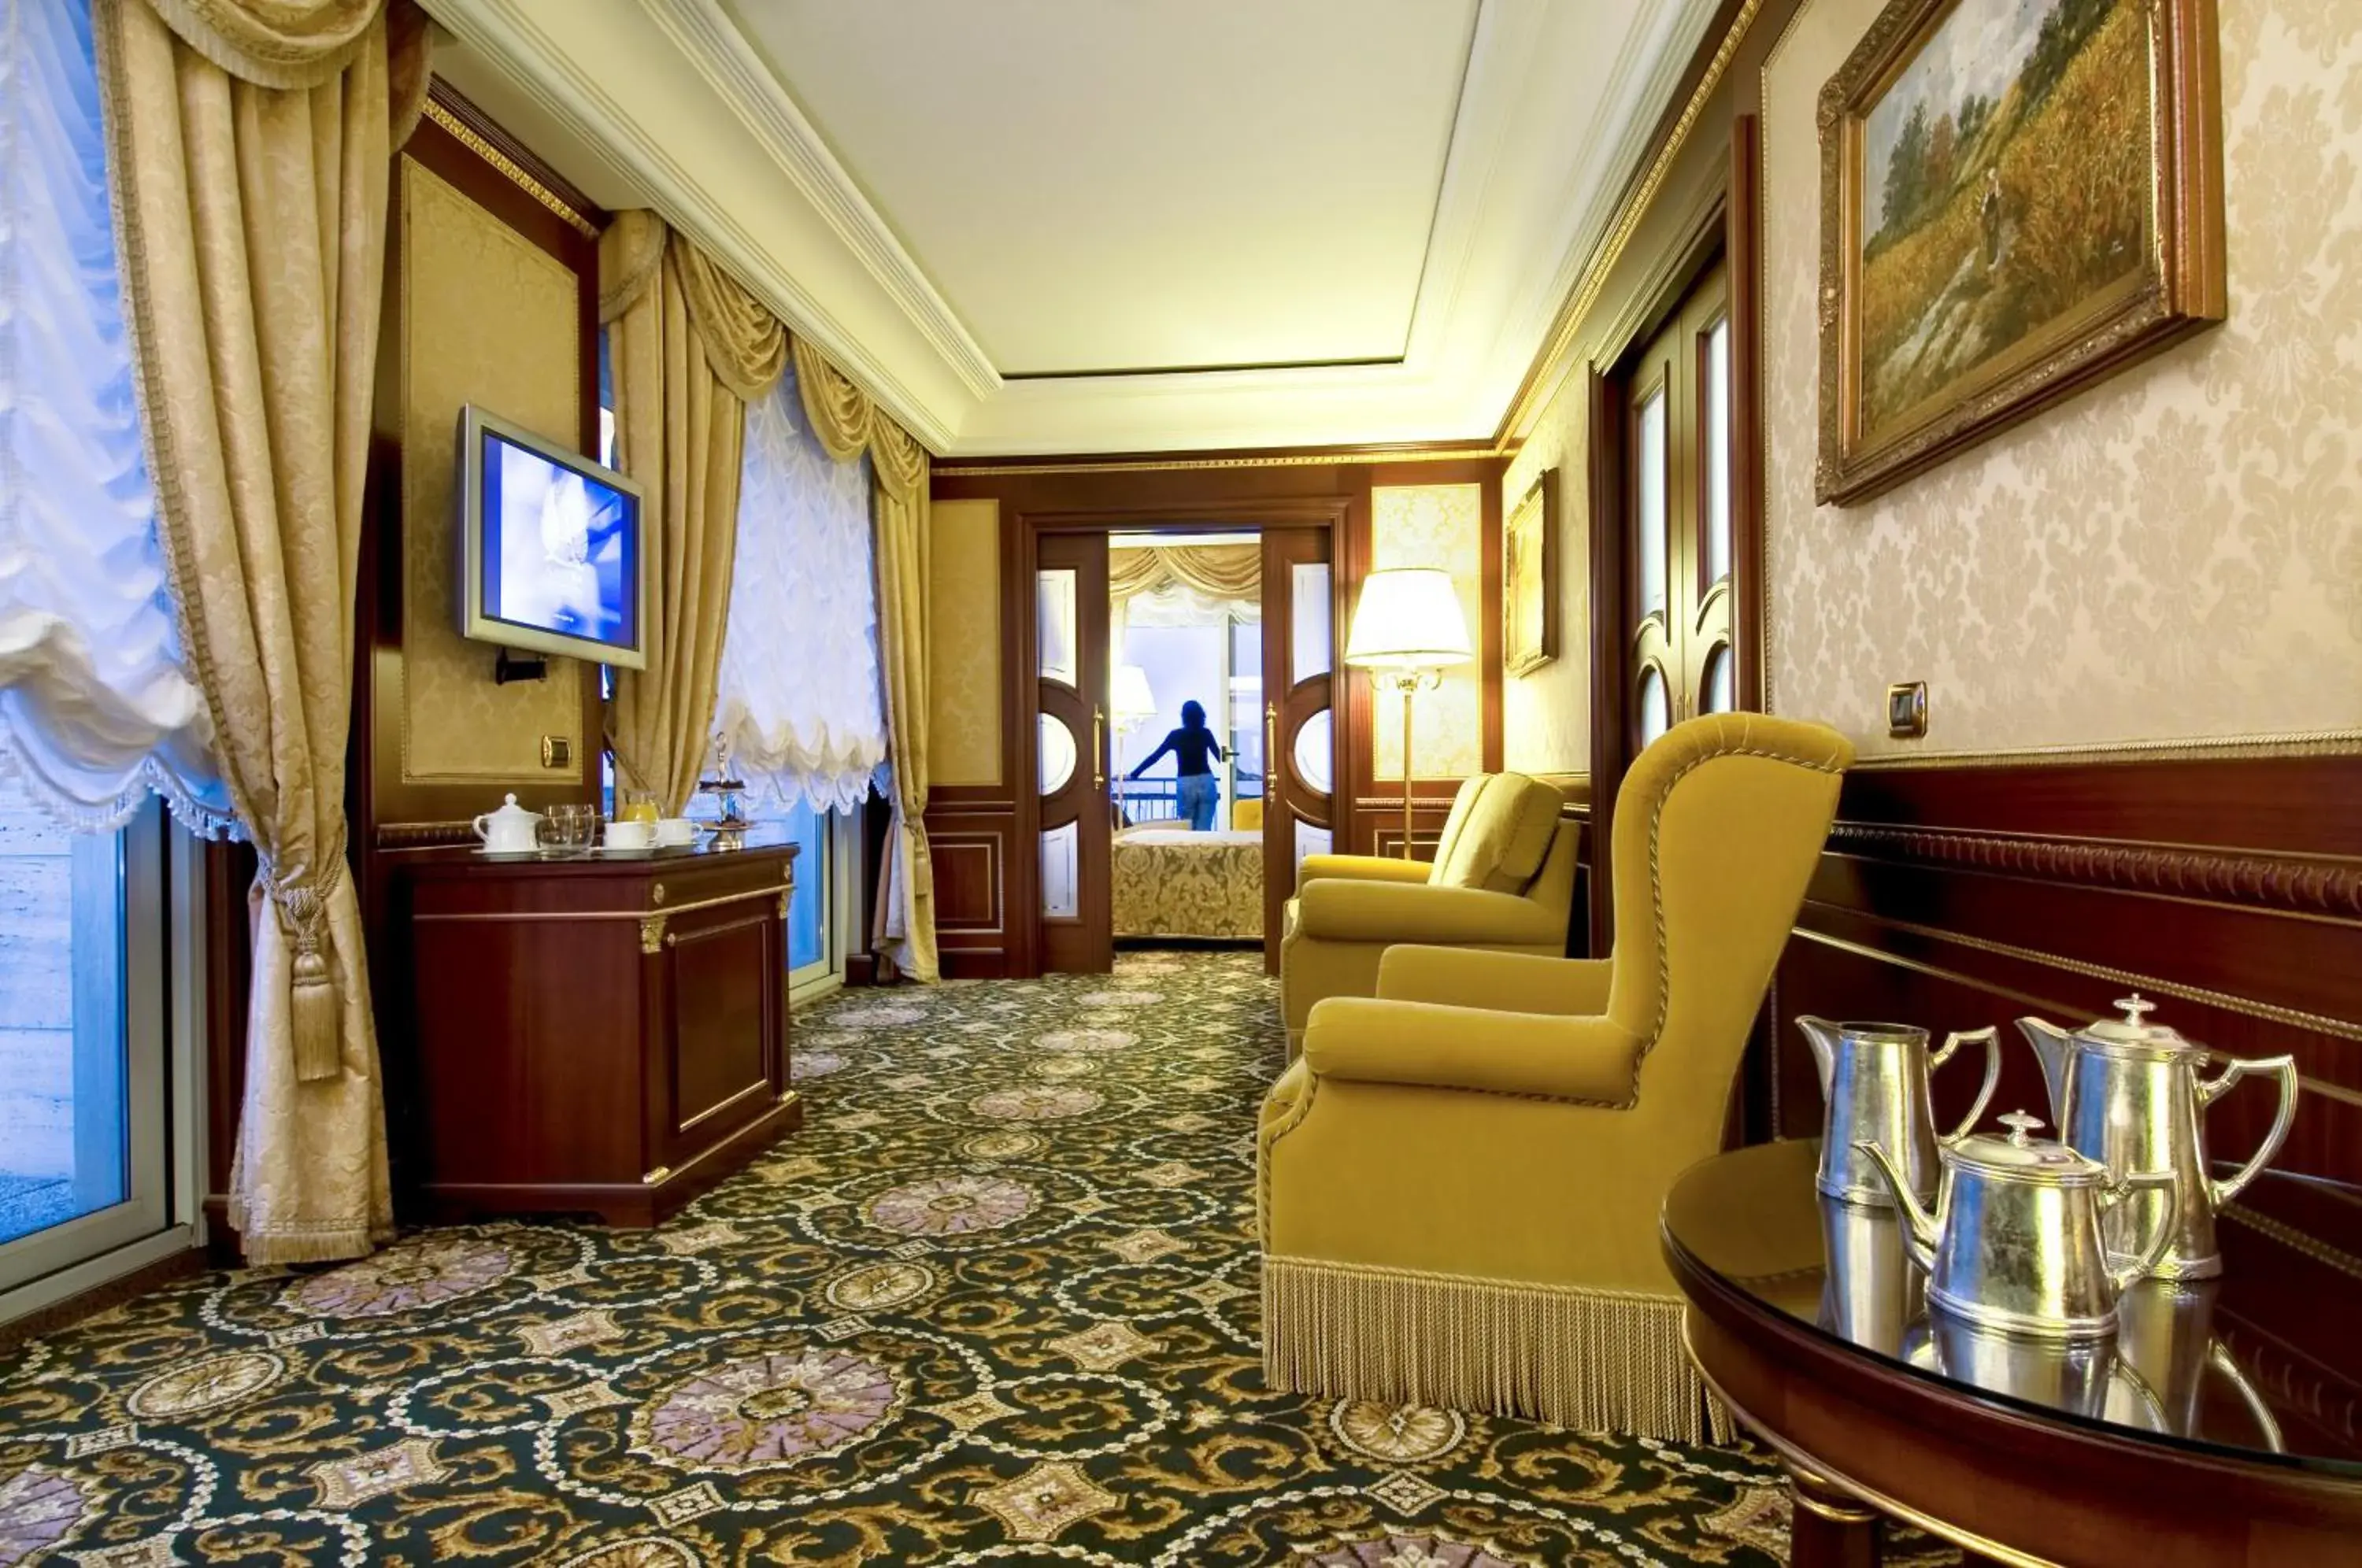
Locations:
(847, 421)
(250, 147)
(691, 348)
(1218, 571)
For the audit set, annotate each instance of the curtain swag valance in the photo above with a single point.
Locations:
(286, 44)
(1217, 571)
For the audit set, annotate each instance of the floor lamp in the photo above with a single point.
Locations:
(1405, 629)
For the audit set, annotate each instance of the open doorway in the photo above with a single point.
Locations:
(1187, 750)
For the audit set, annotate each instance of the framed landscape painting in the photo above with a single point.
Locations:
(1529, 578)
(2018, 197)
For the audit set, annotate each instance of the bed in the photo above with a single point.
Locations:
(1170, 881)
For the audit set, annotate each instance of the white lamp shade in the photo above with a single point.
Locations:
(1133, 700)
(1409, 618)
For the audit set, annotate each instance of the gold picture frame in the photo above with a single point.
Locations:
(2048, 208)
(1529, 578)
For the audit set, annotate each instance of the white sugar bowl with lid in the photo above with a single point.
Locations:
(2015, 1242)
(512, 829)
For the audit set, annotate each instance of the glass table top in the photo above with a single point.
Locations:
(2264, 1364)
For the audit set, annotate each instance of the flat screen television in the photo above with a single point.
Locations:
(553, 548)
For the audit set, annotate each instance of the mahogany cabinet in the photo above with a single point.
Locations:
(601, 1036)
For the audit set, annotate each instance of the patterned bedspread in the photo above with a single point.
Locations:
(1172, 882)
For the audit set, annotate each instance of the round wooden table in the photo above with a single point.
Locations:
(2223, 1424)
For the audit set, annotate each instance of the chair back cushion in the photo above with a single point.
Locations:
(1500, 828)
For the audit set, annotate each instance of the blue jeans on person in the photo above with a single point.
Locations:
(1199, 793)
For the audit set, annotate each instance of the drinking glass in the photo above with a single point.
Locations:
(638, 806)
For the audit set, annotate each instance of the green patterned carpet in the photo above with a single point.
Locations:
(996, 1303)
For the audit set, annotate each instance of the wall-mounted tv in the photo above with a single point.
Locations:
(553, 548)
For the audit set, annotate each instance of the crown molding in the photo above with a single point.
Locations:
(504, 33)
(709, 39)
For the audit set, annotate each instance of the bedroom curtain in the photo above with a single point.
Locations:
(97, 705)
(250, 142)
(691, 348)
(847, 421)
(799, 687)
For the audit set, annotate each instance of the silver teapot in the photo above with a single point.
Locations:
(2127, 1093)
(2015, 1242)
(1874, 1078)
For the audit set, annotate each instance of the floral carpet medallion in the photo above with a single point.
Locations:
(920, 1331)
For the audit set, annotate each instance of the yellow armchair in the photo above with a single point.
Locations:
(1458, 1182)
(1503, 880)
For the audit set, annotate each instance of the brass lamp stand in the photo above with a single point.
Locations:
(1406, 627)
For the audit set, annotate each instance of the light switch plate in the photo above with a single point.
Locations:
(1907, 709)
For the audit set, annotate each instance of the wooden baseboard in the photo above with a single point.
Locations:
(62, 1314)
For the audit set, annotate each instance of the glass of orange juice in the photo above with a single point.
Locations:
(638, 806)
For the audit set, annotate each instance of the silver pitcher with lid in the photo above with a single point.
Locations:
(2128, 1093)
(1874, 1078)
(2013, 1243)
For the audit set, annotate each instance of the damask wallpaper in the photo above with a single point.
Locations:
(1546, 716)
(963, 645)
(1435, 525)
(2174, 555)
(488, 318)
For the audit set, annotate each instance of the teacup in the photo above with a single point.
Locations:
(631, 836)
(675, 831)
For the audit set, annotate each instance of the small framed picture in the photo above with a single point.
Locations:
(1529, 578)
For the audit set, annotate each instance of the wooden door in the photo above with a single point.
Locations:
(1678, 510)
(1070, 649)
(1299, 738)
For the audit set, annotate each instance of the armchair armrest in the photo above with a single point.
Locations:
(1421, 1046)
(1361, 868)
(1502, 982)
(1390, 911)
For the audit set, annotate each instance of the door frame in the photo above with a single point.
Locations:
(1725, 227)
(1020, 696)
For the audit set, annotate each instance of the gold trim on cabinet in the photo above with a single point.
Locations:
(2303, 743)
(652, 934)
(656, 1176)
(508, 167)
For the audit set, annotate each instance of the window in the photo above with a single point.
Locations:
(97, 717)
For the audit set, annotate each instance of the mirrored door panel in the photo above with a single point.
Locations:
(1071, 756)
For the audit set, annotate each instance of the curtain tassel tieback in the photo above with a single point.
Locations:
(316, 1010)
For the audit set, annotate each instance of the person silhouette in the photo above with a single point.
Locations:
(1195, 751)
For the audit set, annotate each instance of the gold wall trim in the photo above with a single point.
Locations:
(1577, 310)
(2288, 1236)
(2302, 743)
(2246, 1007)
(510, 170)
(1175, 465)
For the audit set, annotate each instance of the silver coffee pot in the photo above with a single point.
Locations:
(1874, 1079)
(2127, 1093)
(2014, 1244)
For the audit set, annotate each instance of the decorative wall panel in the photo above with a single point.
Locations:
(491, 318)
(1546, 716)
(1435, 525)
(964, 650)
(2171, 556)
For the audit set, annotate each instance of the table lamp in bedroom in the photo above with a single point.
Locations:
(1406, 629)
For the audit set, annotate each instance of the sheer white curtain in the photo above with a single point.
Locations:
(798, 697)
(96, 707)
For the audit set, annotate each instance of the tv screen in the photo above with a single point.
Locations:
(553, 548)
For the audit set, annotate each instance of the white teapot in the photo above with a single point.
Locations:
(509, 831)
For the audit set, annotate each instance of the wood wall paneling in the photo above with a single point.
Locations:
(2229, 891)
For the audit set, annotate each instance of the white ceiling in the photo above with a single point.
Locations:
(1223, 184)
(1072, 226)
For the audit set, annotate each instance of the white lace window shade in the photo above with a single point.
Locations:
(798, 697)
(97, 707)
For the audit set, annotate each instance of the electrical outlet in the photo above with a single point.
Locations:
(557, 751)
(1907, 709)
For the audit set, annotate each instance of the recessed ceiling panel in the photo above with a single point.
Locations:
(1151, 185)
